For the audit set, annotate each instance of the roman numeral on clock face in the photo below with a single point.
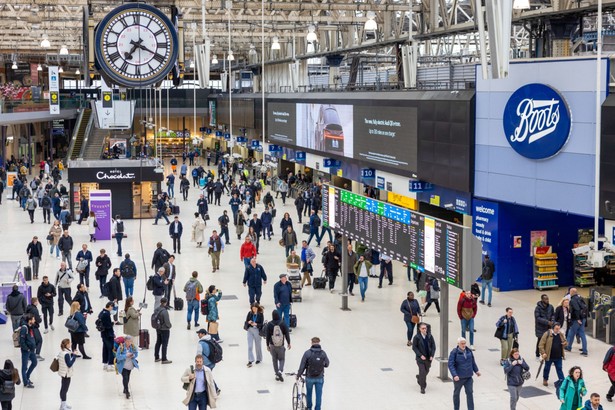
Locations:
(161, 45)
(159, 58)
(114, 57)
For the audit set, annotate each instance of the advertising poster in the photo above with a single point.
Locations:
(585, 235)
(10, 179)
(281, 123)
(516, 241)
(537, 238)
(100, 204)
(325, 127)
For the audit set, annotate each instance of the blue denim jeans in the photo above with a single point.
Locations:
(171, 191)
(465, 324)
(410, 330)
(57, 250)
(489, 285)
(467, 383)
(198, 401)
(118, 237)
(25, 370)
(289, 249)
(577, 329)
(284, 310)
(558, 369)
(246, 262)
(363, 281)
(314, 234)
(129, 286)
(193, 305)
(310, 384)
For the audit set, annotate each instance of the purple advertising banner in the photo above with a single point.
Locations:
(100, 204)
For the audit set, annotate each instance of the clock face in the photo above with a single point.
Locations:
(136, 45)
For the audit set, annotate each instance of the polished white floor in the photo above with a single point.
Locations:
(360, 343)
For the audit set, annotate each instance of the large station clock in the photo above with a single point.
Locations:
(135, 45)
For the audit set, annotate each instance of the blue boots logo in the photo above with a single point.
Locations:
(536, 121)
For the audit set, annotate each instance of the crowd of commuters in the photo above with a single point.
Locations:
(121, 325)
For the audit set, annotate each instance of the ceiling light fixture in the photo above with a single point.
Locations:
(39, 68)
(252, 51)
(311, 35)
(275, 45)
(14, 66)
(45, 42)
(521, 4)
(191, 64)
(63, 50)
(78, 72)
(230, 56)
(371, 24)
(60, 70)
(214, 60)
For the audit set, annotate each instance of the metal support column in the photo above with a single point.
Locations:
(443, 345)
(344, 273)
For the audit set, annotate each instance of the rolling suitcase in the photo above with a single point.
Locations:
(319, 283)
(178, 303)
(27, 272)
(143, 339)
(292, 319)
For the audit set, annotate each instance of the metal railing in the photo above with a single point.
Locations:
(11, 106)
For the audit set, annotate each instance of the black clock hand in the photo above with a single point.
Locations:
(135, 45)
(146, 49)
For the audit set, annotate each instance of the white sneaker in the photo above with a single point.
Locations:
(105, 367)
(52, 328)
(472, 348)
(68, 407)
(46, 331)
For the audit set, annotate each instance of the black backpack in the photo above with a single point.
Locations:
(150, 283)
(69, 218)
(215, 351)
(583, 306)
(128, 271)
(120, 227)
(316, 364)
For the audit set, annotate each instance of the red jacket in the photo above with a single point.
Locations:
(608, 364)
(248, 250)
(469, 303)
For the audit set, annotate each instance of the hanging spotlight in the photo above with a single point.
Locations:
(275, 45)
(45, 42)
(78, 72)
(252, 51)
(63, 50)
(311, 35)
(14, 66)
(371, 24)
(39, 68)
(191, 64)
(230, 56)
(214, 60)
(60, 70)
(521, 4)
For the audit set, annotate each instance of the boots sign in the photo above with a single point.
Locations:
(537, 121)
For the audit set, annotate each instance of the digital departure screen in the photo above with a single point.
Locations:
(426, 244)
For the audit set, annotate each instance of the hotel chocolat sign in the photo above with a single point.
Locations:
(113, 175)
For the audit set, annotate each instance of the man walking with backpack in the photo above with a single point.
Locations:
(211, 351)
(193, 289)
(114, 292)
(118, 233)
(578, 317)
(162, 323)
(128, 270)
(313, 363)
(276, 333)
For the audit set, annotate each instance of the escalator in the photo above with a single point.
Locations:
(94, 141)
(79, 136)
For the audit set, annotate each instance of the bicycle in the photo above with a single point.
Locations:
(299, 400)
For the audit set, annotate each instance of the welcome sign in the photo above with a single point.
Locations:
(537, 121)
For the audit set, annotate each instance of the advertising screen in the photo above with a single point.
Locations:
(282, 123)
(426, 244)
(386, 136)
(326, 127)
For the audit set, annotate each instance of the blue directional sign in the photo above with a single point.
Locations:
(242, 139)
(203, 129)
(255, 143)
(218, 133)
(331, 163)
(300, 155)
(227, 136)
(275, 148)
(420, 186)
